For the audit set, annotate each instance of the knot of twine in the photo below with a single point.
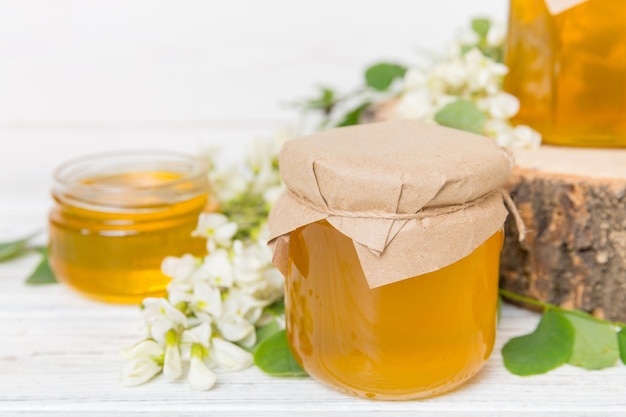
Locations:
(421, 214)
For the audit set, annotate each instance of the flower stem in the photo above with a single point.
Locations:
(548, 306)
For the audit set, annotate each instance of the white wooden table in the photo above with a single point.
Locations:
(78, 77)
(59, 357)
(59, 352)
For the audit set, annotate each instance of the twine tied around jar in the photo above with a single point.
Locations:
(421, 214)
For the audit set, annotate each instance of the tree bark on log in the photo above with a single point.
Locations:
(573, 202)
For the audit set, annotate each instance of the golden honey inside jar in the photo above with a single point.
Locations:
(567, 67)
(389, 236)
(117, 215)
(416, 338)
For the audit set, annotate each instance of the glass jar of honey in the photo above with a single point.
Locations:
(117, 215)
(389, 237)
(567, 61)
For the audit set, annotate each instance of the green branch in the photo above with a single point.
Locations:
(548, 306)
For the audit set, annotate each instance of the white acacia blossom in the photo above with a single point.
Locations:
(161, 317)
(172, 363)
(229, 356)
(145, 360)
(468, 75)
(215, 303)
(201, 377)
(216, 229)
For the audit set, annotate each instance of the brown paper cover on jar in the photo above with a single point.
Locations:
(414, 197)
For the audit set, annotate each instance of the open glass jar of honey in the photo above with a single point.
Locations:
(567, 61)
(389, 237)
(117, 215)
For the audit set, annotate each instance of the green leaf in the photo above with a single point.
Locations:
(621, 339)
(274, 357)
(42, 274)
(461, 114)
(325, 101)
(328, 96)
(10, 249)
(548, 347)
(380, 76)
(595, 343)
(466, 48)
(354, 116)
(481, 26)
(278, 308)
(262, 333)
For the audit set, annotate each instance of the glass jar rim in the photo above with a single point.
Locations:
(69, 179)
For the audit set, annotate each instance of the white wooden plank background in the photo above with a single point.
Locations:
(83, 76)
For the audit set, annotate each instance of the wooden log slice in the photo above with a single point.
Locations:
(573, 202)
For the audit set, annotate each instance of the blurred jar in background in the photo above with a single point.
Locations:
(117, 215)
(567, 61)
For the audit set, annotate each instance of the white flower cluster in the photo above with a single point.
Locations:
(214, 304)
(261, 177)
(468, 75)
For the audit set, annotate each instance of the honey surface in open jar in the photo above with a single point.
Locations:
(110, 229)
